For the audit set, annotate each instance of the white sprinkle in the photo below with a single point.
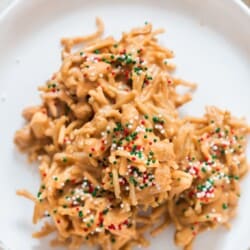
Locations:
(39, 158)
(219, 218)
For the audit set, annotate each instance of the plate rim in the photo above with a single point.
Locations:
(17, 3)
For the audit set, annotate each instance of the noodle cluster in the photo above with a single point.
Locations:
(116, 159)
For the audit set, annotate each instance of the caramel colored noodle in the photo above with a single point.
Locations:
(110, 145)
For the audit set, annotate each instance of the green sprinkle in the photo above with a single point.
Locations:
(55, 211)
(155, 119)
(149, 78)
(39, 194)
(115, 45)
(97, 51)
(146, 116)
(155, 140)
(113, 240)
(224, 206)
(64, 159)
(217, 130)
(105, 211)
(145, 136)
(132, 180)
(64, 206)
(81, 53)
(137, 70)
(203, 170)
(95, 192)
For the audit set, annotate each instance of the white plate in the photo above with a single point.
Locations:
(211, 39)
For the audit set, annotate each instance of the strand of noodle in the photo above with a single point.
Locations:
(100, 44)
(69, 42)
(27, 195)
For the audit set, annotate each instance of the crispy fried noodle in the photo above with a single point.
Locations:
(116, 159)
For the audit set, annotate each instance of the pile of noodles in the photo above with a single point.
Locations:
(115, 159)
